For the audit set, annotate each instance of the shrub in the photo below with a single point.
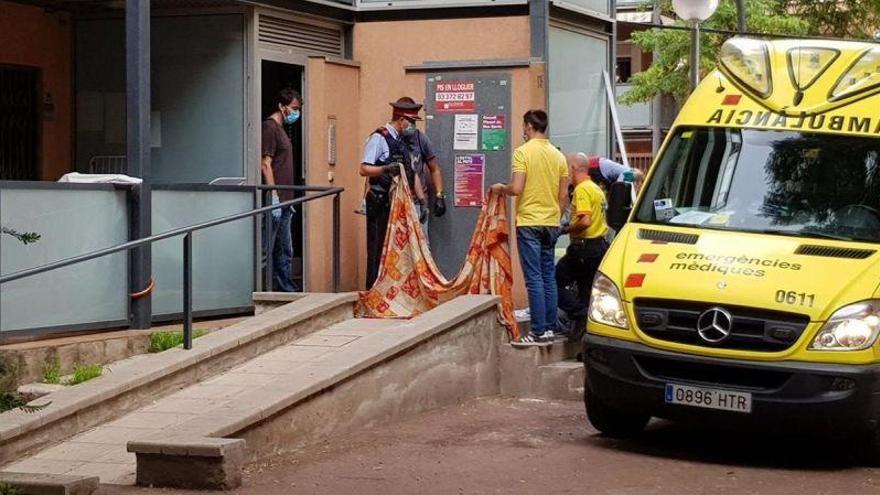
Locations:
(162, 341)
(85, 373)
(7, 489)
(52, 371)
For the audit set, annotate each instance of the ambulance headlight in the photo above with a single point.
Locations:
(863, 76)
(748, 60)
(606, 305)
(850, 328)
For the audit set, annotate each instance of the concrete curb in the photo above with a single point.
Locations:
(202, 463)
(51, 484)
(134, 382)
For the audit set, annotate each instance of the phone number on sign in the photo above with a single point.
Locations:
(455, 96)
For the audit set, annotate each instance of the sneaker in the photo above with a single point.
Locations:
(530, 340)
(552, 337)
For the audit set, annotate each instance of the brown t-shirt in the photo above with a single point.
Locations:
(276, 144)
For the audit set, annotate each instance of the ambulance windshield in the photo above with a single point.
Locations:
(777, 182)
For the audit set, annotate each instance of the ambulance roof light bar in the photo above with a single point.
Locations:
(748, 61)
(862, 76)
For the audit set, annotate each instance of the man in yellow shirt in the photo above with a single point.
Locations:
(587, 230)
(540, 181)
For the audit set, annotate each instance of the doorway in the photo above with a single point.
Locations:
(19, 127)
(276, 76)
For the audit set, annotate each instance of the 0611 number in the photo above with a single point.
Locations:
(795, 298)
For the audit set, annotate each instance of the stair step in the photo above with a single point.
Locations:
(571, 364)
(562, 381)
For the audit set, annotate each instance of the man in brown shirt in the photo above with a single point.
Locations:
(277, 167)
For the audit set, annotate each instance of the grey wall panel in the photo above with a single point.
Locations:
(451, 234)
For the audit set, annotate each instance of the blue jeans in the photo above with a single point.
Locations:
(536, 255)
(281, 241)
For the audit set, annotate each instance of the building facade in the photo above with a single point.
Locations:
(174, 92)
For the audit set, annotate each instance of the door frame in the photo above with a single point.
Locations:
(259, 53)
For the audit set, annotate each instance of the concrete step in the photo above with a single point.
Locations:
(130, 384)
(549, 372)
(561, 381)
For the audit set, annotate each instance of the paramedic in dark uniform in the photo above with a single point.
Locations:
(385, 148)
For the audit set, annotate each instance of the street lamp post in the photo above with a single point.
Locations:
(695, 12)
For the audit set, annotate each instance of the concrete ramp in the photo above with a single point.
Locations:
(349, 374)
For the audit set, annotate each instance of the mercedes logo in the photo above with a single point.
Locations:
(714, 325)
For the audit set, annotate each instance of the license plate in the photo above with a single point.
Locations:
(709, 398)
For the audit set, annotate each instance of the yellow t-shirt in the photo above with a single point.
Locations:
(589, 199)
(544, 166)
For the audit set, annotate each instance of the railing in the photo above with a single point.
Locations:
(107, 164)
(186, 232)
(639, 161)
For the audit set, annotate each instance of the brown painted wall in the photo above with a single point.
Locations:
(384, 78)
(31, 37)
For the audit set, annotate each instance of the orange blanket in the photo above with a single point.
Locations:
(409, 281)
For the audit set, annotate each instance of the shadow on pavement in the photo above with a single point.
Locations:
(707, 445)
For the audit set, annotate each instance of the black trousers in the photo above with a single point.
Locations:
(378, 211)
(575, 272)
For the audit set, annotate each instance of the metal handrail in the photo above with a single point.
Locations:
(321, 192)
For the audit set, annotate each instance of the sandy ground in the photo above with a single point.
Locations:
(537, 447)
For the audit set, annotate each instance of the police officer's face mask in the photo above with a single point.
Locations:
(409, 130)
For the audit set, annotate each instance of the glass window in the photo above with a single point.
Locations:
(198, 97)
(777, 182)
(624, 69)
(578, 105)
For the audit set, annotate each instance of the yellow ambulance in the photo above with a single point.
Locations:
(744, 289)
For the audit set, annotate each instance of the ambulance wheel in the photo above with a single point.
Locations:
(612, 422)
(871, 452)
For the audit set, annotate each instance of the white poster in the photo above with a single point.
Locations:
(466, 132)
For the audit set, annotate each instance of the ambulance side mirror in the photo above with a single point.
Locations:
(619, 204)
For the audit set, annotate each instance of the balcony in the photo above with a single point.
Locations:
(639, 117)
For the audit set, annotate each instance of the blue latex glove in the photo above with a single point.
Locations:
(276, 213)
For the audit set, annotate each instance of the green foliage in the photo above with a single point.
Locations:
(162, 341)
(10, 401)
(7, 489)
(52, 371)
(23, 237)
(85, 373)
(668, 75)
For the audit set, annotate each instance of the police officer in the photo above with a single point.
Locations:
(424, 161)
(384, 151)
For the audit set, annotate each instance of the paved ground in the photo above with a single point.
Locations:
(536, 447)
(196, 410)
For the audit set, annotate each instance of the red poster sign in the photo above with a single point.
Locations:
(455, 96)
(470, 180)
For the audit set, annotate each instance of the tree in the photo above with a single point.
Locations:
(668, 75)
